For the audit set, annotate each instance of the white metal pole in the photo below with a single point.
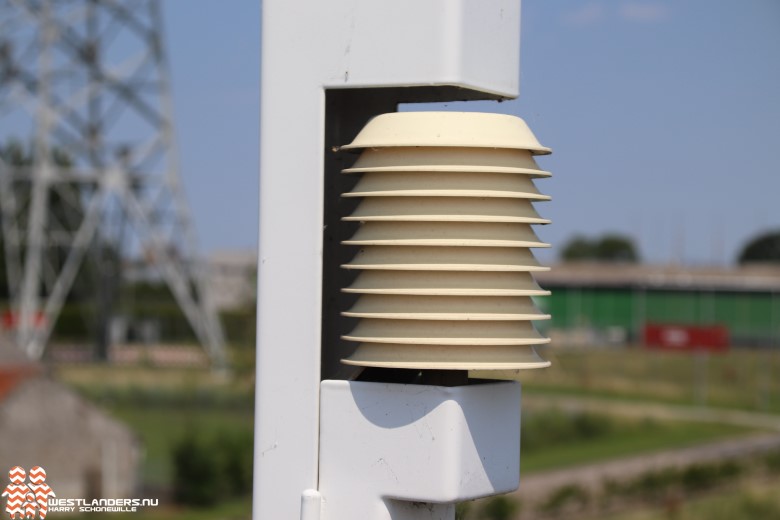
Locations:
(470, 47)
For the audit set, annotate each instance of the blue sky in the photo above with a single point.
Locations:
(214, 54)
(664, 118)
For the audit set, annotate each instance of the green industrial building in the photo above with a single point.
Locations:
(598, 302)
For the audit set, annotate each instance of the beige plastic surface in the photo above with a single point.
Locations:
(418, 332)
(443, 209)
(446, 184)
(446, 357)
(445, 259)
(450, 129)
(467, 234)
(447, 160)
(444, 262)
(461, 308)
(446, 283)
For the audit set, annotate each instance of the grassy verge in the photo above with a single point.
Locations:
(756, 500)
(740, 379)
(118, 384)
(630, 438)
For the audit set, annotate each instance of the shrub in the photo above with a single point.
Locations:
(755, 507)
(555, 427)
(730, 469)
(197, 476)
(611, 489)
(652, 484)
(236, 454)
(462, 510)
(568, 496)
(589, 426)
(698, 477)
(208, 471)
(500, 508)
(772, 461)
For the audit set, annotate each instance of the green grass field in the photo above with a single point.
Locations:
(164, 404)
(160, 429)
(740, 379)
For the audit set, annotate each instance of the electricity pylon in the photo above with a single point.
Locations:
(88, 79)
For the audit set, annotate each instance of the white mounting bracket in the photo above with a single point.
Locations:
(411, 451)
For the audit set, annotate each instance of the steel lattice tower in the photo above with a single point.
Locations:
(89, 79)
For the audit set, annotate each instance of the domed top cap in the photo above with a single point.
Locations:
(445, 129)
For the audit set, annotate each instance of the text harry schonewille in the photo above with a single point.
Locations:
(101, 504)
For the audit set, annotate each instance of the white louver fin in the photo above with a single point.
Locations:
(446, 283)
(446, 184)
(421, 332)
(446, 357)
(444, 159)
(474, 234)
(404, 307)
(434, 258)
(446, 209)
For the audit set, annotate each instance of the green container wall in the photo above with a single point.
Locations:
(752, 318)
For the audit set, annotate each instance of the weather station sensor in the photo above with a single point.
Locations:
(395, 257)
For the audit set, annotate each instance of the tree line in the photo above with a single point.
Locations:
(611, 247)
